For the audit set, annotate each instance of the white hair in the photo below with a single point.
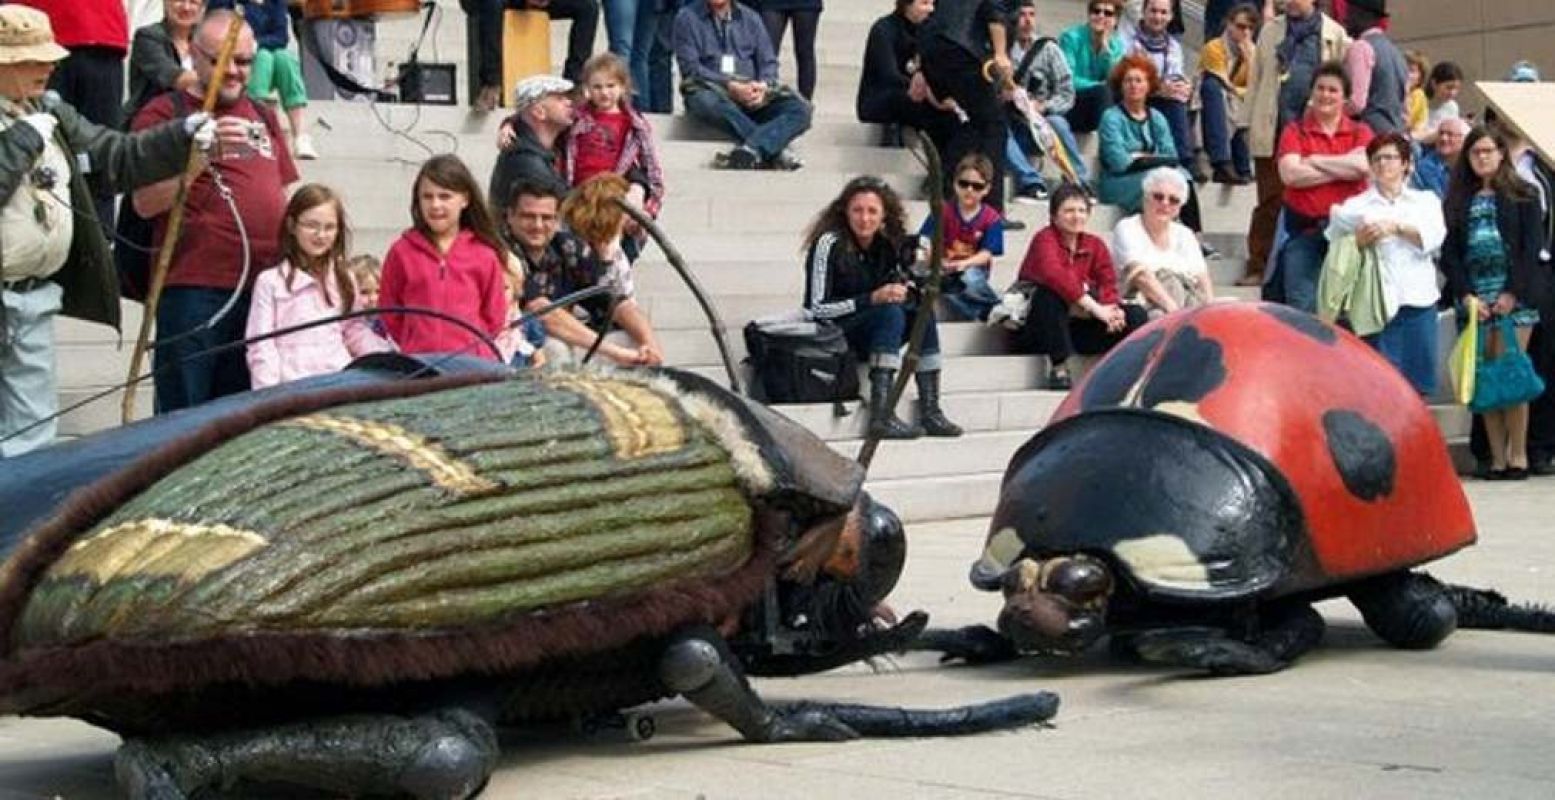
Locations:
(1165, 177)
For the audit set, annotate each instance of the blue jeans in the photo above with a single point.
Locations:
(1060, 123)
(1300, 264)
(1215, 123)
(1177, 119)
(767, 129)
(658, 90)
(1025, 173)
(182, 378)
(1409, 343)
(878, 333)
(620, 26)
(976, 297)
(644, 29)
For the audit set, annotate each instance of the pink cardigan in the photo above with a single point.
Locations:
(314, 351)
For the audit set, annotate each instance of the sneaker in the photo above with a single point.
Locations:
(1058, 379)
(785, 161)
(1210, 253)
(1031, 195)
(1012, 224)
(1225, 175)
(741, 157)
(304, 147)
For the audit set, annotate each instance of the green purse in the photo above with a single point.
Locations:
(1508, 380)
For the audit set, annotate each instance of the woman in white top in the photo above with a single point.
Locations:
(1159, 258)
(1405, 228)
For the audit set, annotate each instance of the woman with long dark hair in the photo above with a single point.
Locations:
(855, 276)
(1492, 253)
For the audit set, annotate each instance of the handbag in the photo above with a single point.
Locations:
(1507, 380)
(1465, 352)
(802, 361)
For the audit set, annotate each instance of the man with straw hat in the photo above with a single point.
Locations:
(54, 256)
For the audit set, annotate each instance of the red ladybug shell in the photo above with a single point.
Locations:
(1350, 435)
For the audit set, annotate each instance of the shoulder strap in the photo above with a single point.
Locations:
(1023, 69)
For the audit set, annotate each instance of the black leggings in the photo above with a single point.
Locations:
(1050, 329)
(805, 25)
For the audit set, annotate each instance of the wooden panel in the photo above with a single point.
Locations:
(1528, 106)
(526, 48)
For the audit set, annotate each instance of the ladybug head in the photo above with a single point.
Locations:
(1056, 605)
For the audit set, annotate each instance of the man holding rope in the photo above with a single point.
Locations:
(54, 256)
(231, 229)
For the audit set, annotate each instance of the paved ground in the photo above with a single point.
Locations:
(1356, 719)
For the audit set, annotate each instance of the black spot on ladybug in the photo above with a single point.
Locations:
(1308, 325)
(1362, 453)
(1110, 381)
(1189, 368)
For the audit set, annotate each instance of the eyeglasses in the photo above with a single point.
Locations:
(1382, 157)
(976, 186)
(1166, 199)
(1104, 12)
(318, 227)
(1243, 26)
(1480, 152)
(243, 62)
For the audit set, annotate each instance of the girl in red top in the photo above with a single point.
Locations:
(608, 135)
(1074, 307)
(450, 260)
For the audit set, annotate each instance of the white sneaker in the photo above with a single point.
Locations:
(304, 148)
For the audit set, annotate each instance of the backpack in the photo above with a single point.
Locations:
(802, 361)
(134, 235)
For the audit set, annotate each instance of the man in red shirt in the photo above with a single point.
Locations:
(205, 301)
(1322, 163)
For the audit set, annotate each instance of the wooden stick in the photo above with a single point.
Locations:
(175, 217)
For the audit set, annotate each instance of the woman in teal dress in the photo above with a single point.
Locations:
(1492, 253)
(1136, 138)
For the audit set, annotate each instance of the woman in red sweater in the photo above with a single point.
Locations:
(450, 260)
(1074, 307)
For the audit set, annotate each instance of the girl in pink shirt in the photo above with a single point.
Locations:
(311, 283)
(450, 260)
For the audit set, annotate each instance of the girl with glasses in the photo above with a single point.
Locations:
(312, 281)
(1225, 68)
(1092, 49)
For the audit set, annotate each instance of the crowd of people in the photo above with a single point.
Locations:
(1360, 153)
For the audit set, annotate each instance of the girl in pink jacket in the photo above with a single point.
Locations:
(311, 283)
(450, 260)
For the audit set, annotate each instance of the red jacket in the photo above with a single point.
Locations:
(1087, 270)
(467, 283)
(86, 23)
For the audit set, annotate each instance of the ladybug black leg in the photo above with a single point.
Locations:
(974, 644)
(1286, 635)
(443, 754)
(1407, 609)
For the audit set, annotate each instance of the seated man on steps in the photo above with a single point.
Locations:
(729, 77)
(556, 264)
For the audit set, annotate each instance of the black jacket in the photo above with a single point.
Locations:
(123, 161)
(964, 24)
(882, 88)
(527, 158)
(1522, 233)
(839, 276)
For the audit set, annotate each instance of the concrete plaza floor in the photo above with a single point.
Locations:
(1474, 718)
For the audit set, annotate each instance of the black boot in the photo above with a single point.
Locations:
(883, 421)
(930, 416)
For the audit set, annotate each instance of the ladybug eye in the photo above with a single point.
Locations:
(1081, 580)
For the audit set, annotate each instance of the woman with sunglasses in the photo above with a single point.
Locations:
(1403, 227)
(857, 252)
(1136, 138)
(1225, 67)
(1074, 305)
(1092, 49)
(1492, 253)
(1163, 268)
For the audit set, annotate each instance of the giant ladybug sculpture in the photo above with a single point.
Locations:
(1210, 478)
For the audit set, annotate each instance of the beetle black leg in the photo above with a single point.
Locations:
(974, 644)
(1407, 609)
(443, 754)
(1285, 635)
(698, 665)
